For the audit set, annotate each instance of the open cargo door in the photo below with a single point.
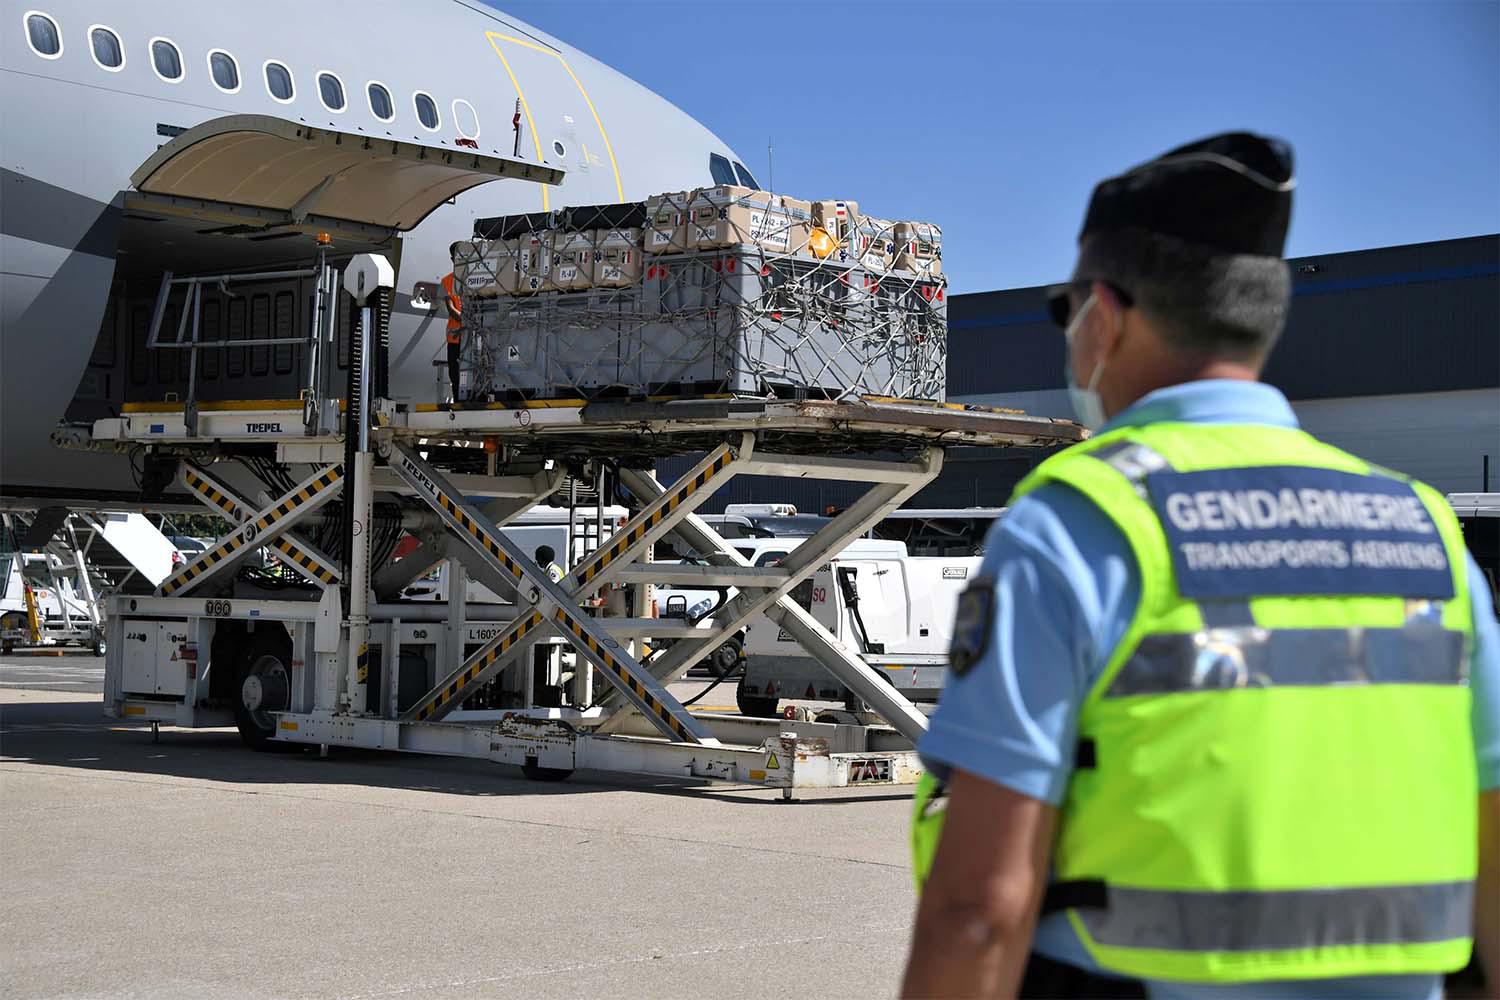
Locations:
(262, 173)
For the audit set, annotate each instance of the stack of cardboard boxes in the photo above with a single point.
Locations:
(601, 247)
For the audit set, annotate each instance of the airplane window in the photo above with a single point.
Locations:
(224, 70)
(559, 148)
(380, 102)
(427, 112)
(331, 89)
(279, 82)
(166, 60)
(746, 178)
(106, 48)
(719, 167)
(465, 119)
(41, 32)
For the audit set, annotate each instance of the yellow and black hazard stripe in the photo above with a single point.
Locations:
(203, 564)
(319, 572)
(469, 525)
(211, 493)
(298, 498)
(623, 542)
(362, 664)
(206, 489)
(481, 663)
(226, 549)
(626, 678)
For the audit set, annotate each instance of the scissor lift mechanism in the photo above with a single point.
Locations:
(637, 724)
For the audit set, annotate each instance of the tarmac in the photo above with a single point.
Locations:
(194, 867)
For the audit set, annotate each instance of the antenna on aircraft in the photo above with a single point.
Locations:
(770, 165)
(515, 124)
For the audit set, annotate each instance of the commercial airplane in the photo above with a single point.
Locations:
(161, 134)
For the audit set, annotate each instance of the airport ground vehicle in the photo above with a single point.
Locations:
(893, 610)
(939, 532)
(46, 602)
(299, 666)
(759, 635)
(1479, 513)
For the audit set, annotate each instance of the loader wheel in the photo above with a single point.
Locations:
(724, 660)
(754, 705)
(262, 685)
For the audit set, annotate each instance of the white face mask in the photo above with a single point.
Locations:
(1088, 407)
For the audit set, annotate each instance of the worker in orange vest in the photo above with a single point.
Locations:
(455, 325)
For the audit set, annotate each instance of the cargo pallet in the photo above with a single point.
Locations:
(340, 681)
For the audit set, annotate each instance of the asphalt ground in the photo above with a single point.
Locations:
(194, 867)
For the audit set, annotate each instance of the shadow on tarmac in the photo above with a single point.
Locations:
(76, 734)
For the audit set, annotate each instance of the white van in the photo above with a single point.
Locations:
(538, 526)
(759, 634)
(893, 610)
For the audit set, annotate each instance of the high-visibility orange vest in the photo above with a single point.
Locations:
(455, 309)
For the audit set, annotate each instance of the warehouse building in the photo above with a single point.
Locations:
(1391, 353)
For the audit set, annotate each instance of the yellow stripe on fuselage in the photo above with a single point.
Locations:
(494, 38)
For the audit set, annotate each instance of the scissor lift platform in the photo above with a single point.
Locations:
(650, 428)
(425, 457)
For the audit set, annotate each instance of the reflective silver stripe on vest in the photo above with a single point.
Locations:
(1132, 460)
(1274, 921)
(1227, 658)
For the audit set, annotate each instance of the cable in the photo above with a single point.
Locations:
(723, 676)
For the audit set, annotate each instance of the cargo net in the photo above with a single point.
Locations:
(721, 291)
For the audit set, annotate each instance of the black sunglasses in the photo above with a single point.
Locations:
(1060, 301)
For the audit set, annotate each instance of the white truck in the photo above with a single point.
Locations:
(892, 609)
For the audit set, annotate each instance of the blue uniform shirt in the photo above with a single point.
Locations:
(1066, 589)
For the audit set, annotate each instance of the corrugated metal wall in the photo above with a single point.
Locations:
(1419, 318)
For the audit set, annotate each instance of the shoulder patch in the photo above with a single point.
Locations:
(972, 625)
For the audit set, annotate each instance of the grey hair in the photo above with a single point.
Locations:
(1201, 301)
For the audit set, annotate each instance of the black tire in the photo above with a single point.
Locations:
(723, 661)
(8, 648)
(536, 772)
(262, 684)
(97, 646)
(754, 705)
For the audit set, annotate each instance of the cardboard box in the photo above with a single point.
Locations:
(728, 215)
(873, 245)
(572, 267)
(919, 248)
(617, 258)
(533, 262)
(497, 272)
(836, 218)
(667, 223)
(468, 270)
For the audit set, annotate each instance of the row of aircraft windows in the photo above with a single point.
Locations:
(46, 41)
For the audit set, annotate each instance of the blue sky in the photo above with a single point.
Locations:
(995, 119)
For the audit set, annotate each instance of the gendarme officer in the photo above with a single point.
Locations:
(1224, 718)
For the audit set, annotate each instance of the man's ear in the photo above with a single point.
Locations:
(1109, 314)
